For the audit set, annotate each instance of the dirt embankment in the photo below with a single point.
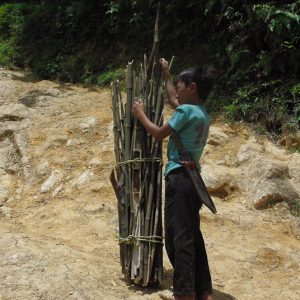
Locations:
(58, 217)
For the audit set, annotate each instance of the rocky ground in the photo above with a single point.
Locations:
(58, 217)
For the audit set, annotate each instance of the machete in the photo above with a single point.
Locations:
(189, 164)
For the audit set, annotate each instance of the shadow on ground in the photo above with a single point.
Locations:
(167, 285)
(25, 78)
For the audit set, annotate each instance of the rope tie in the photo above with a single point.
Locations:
(131, 239)
(137, 160)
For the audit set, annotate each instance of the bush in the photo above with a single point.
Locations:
(255, 47)
(11, 19)
(105, 78)
(6, 54)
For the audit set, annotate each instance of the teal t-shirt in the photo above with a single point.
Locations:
(191, 122)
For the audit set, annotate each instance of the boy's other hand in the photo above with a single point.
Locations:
(164, 64)
(138, 107)
(165, 68)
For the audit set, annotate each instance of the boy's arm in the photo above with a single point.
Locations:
(158, 132)
(171, 91)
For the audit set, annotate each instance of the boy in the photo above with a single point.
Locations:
(184, 242)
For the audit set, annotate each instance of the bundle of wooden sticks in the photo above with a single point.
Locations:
(137, 177)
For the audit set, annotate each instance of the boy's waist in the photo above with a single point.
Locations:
(175, 164)
(179, 170)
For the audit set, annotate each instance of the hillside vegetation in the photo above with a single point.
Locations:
(253, 44)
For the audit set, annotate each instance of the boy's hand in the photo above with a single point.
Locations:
(165, 67)
(138, 108)
(164, 64)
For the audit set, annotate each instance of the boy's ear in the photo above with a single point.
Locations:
(193, 87)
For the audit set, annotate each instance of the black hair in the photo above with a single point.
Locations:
(204, 78)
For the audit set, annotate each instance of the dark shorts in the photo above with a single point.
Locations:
(183, 238)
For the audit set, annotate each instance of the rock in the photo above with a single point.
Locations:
(5, 131)
(57, 191)
(139, 297)
(248, 151)
(272, 149)
(4, 152)
(221, 162)
(291, 139)
(213, 142)
(88, 123)
(55, 177)
(12, 154)
(114, 222)
(252, 139)
(94, 208)
(44, 101)
(216, 136)
(97, 187)
(43, 168)
(54, 142)
(9, 157)
(110, 298)
(8, 128)
(271, 258)
(53, 92)
(207, 150)
(83, 178)
(270, 194)
(14, 112)
(294, 165)
(296, 228)
(95, 163)
(34, 97)
(166, 295)
(7, 211)
(29, 100)
(74, 142)
(218, 179)
(294, 170)
(5, 182)
(269, 182)
(21, 143)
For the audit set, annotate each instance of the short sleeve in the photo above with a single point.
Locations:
(178, 120)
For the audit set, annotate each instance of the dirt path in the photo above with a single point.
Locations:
(62, 243)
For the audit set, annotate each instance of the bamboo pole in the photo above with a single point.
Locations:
(127, 146)
(119, 151)
(157, 148)
(155, 41)
(115, 127)
(117, 120)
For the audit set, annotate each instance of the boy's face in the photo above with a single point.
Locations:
(182, 93)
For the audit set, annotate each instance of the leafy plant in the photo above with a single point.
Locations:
(11, 19)
(107, 77)
(255, 47)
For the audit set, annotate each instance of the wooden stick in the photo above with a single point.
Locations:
(155, 41)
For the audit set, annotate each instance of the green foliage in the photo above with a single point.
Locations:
(11, 18)
(293, 121)
(255, 47)
(105, 78)
(6, 54)
(260, 74)
(275, 105)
